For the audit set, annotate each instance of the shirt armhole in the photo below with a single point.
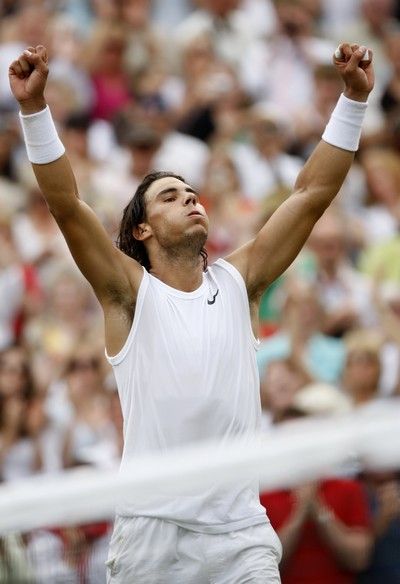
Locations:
(237, 276)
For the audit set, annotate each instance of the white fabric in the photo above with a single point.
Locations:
(280, 72)
(379, 224)
(232, 36)
(261, 16)
(19, 460)
(337, 15)
(348, 288)
(32, 243)
(188, 373)
(183, 155)
(344, 127)
(166, 554)
(260, 177)
(42, 142)
(390, 363)
(8, 52)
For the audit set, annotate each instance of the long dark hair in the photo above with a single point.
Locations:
(134, 214)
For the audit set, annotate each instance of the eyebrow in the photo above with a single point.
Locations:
(175, 190)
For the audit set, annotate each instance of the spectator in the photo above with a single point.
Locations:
(12, 283)
(290, 57)
(145, 43)
(232, 215)
(324, 526)
(67, 45)
(311, 119)
(390, 100)
(90, 437)
(345, 295)
(27, 26)
(211, 88)
(20, 449)
(263, 164)
(222, 21)
(300, 332)
(362, 368)
(105, 64)
(35, 233)
(282, 379)
(69, 318)
(381, 217)
(383, 493)
(387, 302)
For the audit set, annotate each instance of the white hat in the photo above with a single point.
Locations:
(320, 398)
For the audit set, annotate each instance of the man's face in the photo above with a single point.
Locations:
(175, 217)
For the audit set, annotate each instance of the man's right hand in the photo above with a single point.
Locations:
(28, 76)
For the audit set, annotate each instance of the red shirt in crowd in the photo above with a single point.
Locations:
(313, 562)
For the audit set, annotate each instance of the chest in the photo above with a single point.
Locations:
(194, 328)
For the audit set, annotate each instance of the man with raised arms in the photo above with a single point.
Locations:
(181, 336)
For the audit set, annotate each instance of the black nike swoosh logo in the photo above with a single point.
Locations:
(214, 297)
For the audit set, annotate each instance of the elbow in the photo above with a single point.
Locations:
(65, 211)
(312, 200)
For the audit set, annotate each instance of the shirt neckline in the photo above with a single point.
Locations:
(181, 293)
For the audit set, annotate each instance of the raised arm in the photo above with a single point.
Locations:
(266, 257)
(108, 270)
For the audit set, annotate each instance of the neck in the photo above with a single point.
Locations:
(183, 272)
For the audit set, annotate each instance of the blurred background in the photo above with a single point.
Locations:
(234, 95)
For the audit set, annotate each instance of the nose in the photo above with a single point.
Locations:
(190, 198)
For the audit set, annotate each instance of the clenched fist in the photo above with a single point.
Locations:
(356, 72)
(28, 76)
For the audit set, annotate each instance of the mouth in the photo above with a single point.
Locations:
(195, 213)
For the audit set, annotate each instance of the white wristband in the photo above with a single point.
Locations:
(344, 127)
(42, 142)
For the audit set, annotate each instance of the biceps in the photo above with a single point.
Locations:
(279, 242)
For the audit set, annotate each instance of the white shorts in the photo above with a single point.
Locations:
(144, 550)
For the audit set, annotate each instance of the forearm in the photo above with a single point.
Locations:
(57, 184)
(350, 546)
(46, 153)
(326, 169)
(290, 533)
(323, 175)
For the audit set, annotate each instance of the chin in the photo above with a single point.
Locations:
(196, 237)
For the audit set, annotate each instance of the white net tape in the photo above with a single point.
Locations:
(290, 454)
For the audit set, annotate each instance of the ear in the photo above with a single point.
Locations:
(142, 232)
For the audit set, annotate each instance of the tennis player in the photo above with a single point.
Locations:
(181, 336)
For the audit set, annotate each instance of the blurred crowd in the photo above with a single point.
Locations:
(233, 95)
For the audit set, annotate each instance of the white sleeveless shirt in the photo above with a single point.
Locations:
(187, 373)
